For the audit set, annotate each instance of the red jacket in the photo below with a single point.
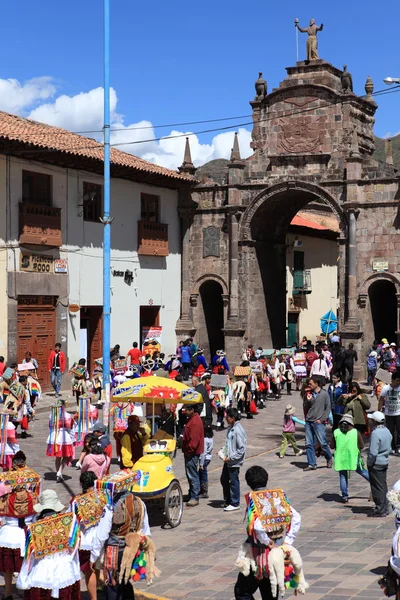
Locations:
(63, 361)
(193, 436)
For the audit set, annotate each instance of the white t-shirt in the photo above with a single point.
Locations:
(392, 400)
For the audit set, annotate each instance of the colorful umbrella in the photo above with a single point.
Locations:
(329, 322)
(156, 390)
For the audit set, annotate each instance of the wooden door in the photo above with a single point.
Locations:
(95, 334)
(36, 334)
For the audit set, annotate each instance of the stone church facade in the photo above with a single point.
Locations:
(312, 141)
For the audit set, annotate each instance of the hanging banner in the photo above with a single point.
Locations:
(151, 340)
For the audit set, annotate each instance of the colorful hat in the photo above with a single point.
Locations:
(220, 353)
(117, 482)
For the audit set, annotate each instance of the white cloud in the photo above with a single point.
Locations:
(84, 113)
(16, 97)
(389, 135)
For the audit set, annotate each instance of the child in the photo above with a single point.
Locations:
(289, 428)
(205, 459)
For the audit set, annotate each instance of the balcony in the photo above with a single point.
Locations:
(302, 282)
(40, 225)
(152, 238)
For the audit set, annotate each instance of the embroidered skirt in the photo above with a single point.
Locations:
(10, 560)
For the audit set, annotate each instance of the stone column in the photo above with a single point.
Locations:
(352, 265)
(233, 314)
(185, 323)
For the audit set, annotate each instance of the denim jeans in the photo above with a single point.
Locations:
(56, 379)
(371, 376)
(343, 479)
(231, 485)
(192, 474)
(203, 473)
(316, 432)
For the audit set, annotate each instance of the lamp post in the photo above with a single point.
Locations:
(106, 220)
(391, 80)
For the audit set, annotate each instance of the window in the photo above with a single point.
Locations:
(36, 188)
(298, 260)
(92, 202)
(149, 207)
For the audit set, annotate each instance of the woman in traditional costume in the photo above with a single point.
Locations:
(200, 363)
(219, 363)
(61, 439)
(129, 552)
(19, 490)
(24, 408)
(51, 564)
(81, 384)
(94, 517)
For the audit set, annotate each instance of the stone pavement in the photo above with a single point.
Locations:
(343, 551)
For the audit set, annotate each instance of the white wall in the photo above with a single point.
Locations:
(3, 260)
(156, 278)
(320, 256)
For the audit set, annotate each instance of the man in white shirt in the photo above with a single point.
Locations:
(389, 404)
(261, 543)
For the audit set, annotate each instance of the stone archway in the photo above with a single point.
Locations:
(209, 300)
(379, 298)
(263, 231)
(279, 189)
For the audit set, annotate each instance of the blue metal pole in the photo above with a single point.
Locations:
(106, 216)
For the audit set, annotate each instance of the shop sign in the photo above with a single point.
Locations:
(380, 266)
(37, 263)
(74, 308)
(36, 300)
(61, 265)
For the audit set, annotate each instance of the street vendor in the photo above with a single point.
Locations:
(132, 442)
(19, 491)
(263, 508)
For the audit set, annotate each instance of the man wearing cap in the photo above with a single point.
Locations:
(316, 419)
(347, 443)
(192, 448)
(378, 461)
(99, 431)
(389, 404)
(201, 387)
(132, 442)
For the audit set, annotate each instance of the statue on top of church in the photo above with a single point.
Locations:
(347, 80)
(312, 42)
(261, 87)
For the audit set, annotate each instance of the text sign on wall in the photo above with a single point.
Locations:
(380, 266)
(61, 265)
(37, 263)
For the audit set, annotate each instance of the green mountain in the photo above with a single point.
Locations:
(380, 150)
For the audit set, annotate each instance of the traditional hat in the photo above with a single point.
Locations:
(347, 419)
(118, 482)
(393, 344)
(205, 375)
(220, 353)
(48, 500)
(289, 410)
(172, 356)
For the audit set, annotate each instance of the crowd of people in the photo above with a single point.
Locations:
(333, 402)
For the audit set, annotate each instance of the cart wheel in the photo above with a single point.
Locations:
(174, 504)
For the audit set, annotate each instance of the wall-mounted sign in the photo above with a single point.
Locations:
(36, 263)
(117, 273)
(36, 300)
(60, 265)
(380, 266)
(74, 308)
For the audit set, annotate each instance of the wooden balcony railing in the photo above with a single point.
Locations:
(39, 225)
(152, 238)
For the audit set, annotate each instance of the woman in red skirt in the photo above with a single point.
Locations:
(61, 439)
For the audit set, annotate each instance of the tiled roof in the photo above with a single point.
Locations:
(48, 137)
(300, 222)
(326, 219)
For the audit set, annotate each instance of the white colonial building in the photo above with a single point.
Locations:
(51, 268)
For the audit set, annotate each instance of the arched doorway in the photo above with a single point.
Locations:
(264, 228)
(383, 302)
(213, 310)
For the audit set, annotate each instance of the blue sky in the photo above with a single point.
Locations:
(181, 61)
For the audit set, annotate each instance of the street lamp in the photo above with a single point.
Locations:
(391, 80)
